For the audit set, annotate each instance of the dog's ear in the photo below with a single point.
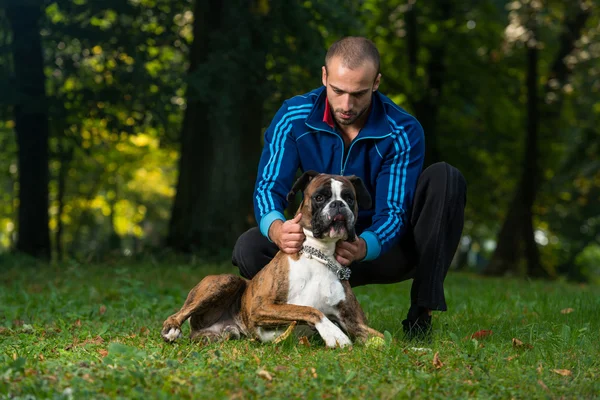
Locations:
(362, 194)
(301, 183)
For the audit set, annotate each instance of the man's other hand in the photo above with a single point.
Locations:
(288, 235)
(348, 252)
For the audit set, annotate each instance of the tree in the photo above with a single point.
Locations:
(31, 125)
(517, 238)
(238, 51)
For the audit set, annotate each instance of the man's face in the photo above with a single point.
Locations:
(349, 91)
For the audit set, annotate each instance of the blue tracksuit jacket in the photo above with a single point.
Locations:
(387, 154)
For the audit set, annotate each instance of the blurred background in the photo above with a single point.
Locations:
(131, 128)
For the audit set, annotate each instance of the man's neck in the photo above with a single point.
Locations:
(350, 132)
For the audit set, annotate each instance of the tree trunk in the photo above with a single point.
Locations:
(220, 139)
(517, 237)
(427, 105)
(31, 125)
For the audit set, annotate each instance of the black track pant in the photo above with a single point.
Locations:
(423, 254)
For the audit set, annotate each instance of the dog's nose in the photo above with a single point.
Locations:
(337, 204)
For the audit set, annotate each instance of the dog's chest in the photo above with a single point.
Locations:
(311, 283)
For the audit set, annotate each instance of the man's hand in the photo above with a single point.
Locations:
(288, 235)
(348, 252)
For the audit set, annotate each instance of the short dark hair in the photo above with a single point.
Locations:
(354, 51)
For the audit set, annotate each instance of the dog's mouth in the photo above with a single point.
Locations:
(338, 226)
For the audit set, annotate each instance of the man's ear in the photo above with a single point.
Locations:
(362, 194)
(301, 183)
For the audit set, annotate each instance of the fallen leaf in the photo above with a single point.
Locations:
(96, 340)
(18, 322)
(510, 358)
(103, 352)
(280, 368)
(540, 369)
(265, 375)
(304, 341)
(543, 385)
(256, 358)
(481, 334)
(314, 372)
(567, 311)
(41, 357)
(436, 361)
(517, 343)
(102, 309)
(88, 378)
(285, 334)
(563, 372)
(3, 329)
(77, 323)
(144, 331)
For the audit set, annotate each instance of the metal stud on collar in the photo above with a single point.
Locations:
(342, 273)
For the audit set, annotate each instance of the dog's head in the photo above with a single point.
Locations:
(330, 204)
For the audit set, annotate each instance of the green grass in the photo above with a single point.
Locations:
(72, 331)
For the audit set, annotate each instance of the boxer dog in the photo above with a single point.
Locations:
(304, 292)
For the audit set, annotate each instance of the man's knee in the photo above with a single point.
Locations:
(251, 252)
(445, 178)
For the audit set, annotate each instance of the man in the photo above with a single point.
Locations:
(347, 127)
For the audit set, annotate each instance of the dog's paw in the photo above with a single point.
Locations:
(332, 335)
(171, 334)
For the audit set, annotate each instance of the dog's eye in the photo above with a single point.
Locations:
(350, 201)
(319, 198)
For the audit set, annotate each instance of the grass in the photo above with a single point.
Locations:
(74, 331)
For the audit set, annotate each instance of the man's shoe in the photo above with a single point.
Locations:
(417, 325)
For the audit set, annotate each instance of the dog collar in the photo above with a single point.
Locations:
(343, 273)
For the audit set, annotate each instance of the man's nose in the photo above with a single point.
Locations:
(347, 102)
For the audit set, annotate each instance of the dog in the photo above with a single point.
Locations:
(307, 292)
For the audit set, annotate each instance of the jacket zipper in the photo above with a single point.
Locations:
(343, 161)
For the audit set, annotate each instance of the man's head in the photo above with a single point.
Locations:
(351, 75)
(330, 204)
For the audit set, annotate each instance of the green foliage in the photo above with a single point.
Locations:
(93, 332)
(117, 78)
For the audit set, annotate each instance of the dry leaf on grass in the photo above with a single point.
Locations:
(567, 311)
(481, 334)
(563, 372)
(304, 341)
(543, 385)
(510, 358)
(96, 340)
(265, 375)
(286, 334)
(102, 309)
(103, 352)
(517, 343)
(436, 361)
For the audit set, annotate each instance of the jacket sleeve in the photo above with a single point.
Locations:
(395, 189)
(277, 168)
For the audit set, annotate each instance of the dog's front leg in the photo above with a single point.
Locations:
(279, 314)
(353, 319)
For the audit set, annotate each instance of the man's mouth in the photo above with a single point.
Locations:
(346, 115)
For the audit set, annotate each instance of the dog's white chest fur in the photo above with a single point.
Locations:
(311, 283)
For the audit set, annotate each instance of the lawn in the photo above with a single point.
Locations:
(78, 331)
